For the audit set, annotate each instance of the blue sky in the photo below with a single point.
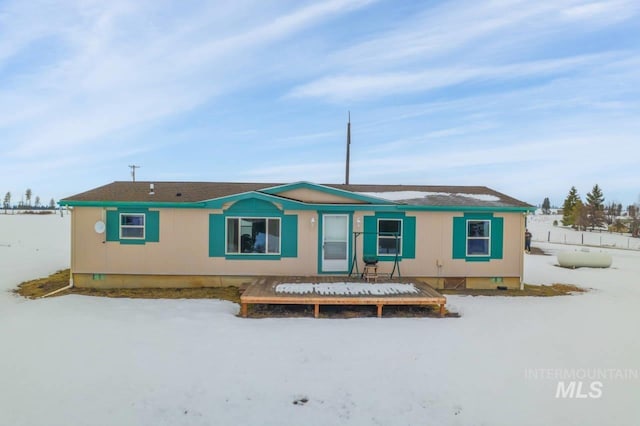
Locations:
(526, 97)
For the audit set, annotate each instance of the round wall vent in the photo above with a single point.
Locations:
(99, 227)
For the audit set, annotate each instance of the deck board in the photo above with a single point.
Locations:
(263, 291)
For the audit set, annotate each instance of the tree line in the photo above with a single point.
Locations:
(592, 213)
(26, 202)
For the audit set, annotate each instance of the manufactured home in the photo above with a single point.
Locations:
(198, 234)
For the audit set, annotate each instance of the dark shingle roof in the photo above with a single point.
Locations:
(184, 192)
(437, 195)
(167, 192)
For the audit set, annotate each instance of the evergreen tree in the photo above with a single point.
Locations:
(546, 206)
(568, 214)
(37, 202)
(27, 196)
(7, 201)
(595, 208)
(52, 204)
(580, 216)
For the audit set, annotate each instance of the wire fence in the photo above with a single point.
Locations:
(589, 238)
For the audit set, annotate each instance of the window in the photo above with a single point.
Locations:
(390, 236)
(253, 235)
(478, 237)
(132, 226)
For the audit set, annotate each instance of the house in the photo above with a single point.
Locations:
(192, 234)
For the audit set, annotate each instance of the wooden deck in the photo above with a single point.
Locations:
(263, 291)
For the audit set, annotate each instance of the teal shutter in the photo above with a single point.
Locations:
(497, 237)
(216, 235)
(289, 236)
(409, 237)
(370, 244)
(152, 227)
(459, 238)
(113, 225)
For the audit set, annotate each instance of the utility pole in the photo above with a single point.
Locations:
(133, 171)
(346, 177)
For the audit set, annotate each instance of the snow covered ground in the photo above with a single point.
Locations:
(541, 226)
(77, 360)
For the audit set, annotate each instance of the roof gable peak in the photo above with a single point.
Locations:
(325, 189)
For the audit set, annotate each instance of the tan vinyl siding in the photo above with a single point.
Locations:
(183, 251)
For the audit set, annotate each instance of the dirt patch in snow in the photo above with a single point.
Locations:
(37, 288)
(529, 290)
(538, 251)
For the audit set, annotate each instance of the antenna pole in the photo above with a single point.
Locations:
(133, 171)
(346, 177)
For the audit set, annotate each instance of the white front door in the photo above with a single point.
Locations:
(335, 243)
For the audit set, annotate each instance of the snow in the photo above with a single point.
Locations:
(77, 360)
(353, 289)
(481, 197)
(541, 226)
(412, 195)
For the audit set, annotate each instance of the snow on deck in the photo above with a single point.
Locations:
(346, 289)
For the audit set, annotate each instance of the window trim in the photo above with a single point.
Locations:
(239, 240)
(143, 226)
(378, 236)
(468, 237)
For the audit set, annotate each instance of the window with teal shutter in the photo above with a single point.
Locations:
(133, 226)
(379, 236)
(478, 237)
(226, 232)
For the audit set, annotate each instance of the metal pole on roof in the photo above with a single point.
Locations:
(133, 171)
(346, 177)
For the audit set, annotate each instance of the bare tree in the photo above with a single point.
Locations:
(611, 212)
(634, 215)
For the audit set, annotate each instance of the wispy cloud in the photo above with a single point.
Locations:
(446, 29)
(116, 74)
(355, 87)
(459, 91)
(602, 12)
